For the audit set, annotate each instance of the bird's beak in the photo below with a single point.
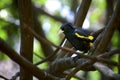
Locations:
(61, 31)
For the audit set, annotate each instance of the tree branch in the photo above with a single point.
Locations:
(26, 47)
(83, 61)
(15, 76)
(3, 77)
(110, 53)
(106, 71)
(109, 30)
(82, 12)
(50, 57)
(5, 48)
(38, 29)
(80, 67)
(39, 10)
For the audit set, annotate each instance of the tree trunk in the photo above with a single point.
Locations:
(26, 22)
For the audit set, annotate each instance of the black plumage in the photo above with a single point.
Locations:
(77, 37)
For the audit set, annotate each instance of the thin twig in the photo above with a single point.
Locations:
(38, 56)
(15, 76)
(50, 57)
(109, 30)
(79, 67)
(40, 10)
(93, 60)
(110, 53)
(5, 48)
(3, 77)
(67, 49)
(48, 42)
(80, 59)
(106, 71)
(78, 77)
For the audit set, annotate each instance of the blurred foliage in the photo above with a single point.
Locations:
(5, 3)
(74, 78)
(115, 40)
(115, 43)
(10, 30)
(97, 14)
(3, 33)
(94, 75)
(51, 29)
(42, 2)
(3, 57)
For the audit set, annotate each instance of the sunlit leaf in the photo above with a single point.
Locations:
(5, 3)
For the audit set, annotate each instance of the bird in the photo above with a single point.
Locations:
(79, 38)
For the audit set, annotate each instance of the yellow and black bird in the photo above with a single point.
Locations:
(79, 38)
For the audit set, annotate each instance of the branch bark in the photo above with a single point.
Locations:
(38, 29)
(40, 10)
(26, 50)
(32, 69)
(106, 71)
(109, 30)
(81, 62)
(82, 12)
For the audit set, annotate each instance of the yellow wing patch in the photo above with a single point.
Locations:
(79, 36)
(91, 44)
(84, 37)
(90, 37)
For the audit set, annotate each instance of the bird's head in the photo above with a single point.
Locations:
(68, 27)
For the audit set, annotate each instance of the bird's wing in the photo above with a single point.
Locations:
(81, 34)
